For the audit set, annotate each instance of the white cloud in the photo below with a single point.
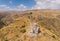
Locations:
(20, 7)
(4, 7)
(47, 4)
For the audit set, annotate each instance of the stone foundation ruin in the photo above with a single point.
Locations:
(35, 30)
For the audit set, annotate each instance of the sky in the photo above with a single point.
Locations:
(22, 5)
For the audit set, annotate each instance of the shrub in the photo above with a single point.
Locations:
(23, 26)
(6, 40)
(53, 36)
(23, 30)
(17, 36)
(1, 24)
(29, 17)
(30, 12)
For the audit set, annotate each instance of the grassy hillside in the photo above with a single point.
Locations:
(14, 26)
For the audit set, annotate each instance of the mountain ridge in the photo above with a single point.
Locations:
(17, 24)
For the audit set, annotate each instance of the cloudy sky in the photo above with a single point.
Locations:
(29, 4)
